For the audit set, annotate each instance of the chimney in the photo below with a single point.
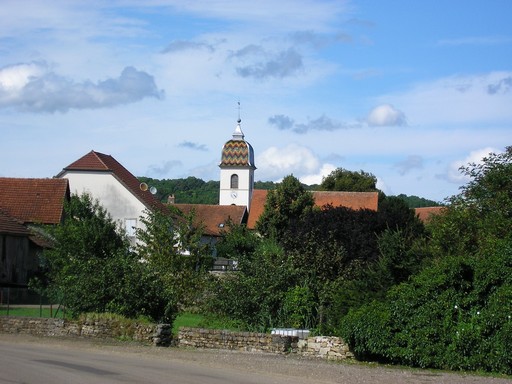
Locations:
(170, 199)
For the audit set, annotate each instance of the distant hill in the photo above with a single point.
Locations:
(418, 202)
(196, 191)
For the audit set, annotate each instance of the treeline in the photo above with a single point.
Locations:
(193, 190)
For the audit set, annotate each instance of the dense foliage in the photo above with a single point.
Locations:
(91, 268)
(171, 248)
(344, 180)
(311, 265)
(289, 201)
(456, 312)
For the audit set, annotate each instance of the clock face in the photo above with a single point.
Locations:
(234, 195)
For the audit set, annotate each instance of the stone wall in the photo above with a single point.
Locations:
(239, 341)
(324, 347)
(89, 328)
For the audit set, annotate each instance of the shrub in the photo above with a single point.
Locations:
(455, 314)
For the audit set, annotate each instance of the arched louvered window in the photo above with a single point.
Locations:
(234, 181)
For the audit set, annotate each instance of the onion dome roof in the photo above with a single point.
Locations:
(237, 152)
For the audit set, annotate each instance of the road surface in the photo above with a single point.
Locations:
(31, 360)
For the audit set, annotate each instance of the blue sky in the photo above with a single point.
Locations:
(406, 90)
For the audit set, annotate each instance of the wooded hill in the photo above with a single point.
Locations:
(196, 191)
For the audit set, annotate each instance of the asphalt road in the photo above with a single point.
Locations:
(30, 360)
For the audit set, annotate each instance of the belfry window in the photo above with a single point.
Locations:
(234, 181)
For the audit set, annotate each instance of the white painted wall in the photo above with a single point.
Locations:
(120, 203)
(244, 190)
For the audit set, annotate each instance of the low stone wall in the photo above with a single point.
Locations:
(239, 341)
(330, 348)
(324, 347)
(159, 334)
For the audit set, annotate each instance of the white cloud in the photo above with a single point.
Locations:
(453, 173)
(470, 100)
(34, 87)
(274, 163)
(386, 115)
(318, 177)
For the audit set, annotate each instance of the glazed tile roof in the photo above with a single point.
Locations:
(237, 153)
(426, 213)
(38, 201)
(214, 217)
(352, 200)
(99, 162)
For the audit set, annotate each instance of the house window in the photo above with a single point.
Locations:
(234, 181)
(129, 226)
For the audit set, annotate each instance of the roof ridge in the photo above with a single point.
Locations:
(99, 155)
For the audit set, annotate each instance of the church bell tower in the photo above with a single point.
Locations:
(237, 170)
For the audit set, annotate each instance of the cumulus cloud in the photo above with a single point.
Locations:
(317, 178)
(34, 87)
(194, 146)
(268, 65)
(274, 163)
(386, 115)
(453, 173)
(322, 123)
(408, 164)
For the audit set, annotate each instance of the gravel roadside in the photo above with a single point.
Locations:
(290, 366)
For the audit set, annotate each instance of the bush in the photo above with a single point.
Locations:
(455, 314)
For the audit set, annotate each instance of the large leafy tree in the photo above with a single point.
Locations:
(288, 202)
(350, 181)
(455, 312)
(171, 247)
(90, 267)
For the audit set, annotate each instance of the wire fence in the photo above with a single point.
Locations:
(21, 301)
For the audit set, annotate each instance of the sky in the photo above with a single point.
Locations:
(409, 91)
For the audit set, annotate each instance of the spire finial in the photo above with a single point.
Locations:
(239, 119)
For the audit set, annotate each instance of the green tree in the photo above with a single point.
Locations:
(455, 312)
(171, 247)
(237, 241)
(288, 202)
(344, 180)
(90, 267)
(480, 215)
(255, 293)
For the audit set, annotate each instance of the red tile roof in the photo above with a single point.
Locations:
(11, 226)
(99, 162)
(426, 213)
(353, 200)
(214, 217)
(39, 201)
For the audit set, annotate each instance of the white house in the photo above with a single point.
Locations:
(118, 191)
